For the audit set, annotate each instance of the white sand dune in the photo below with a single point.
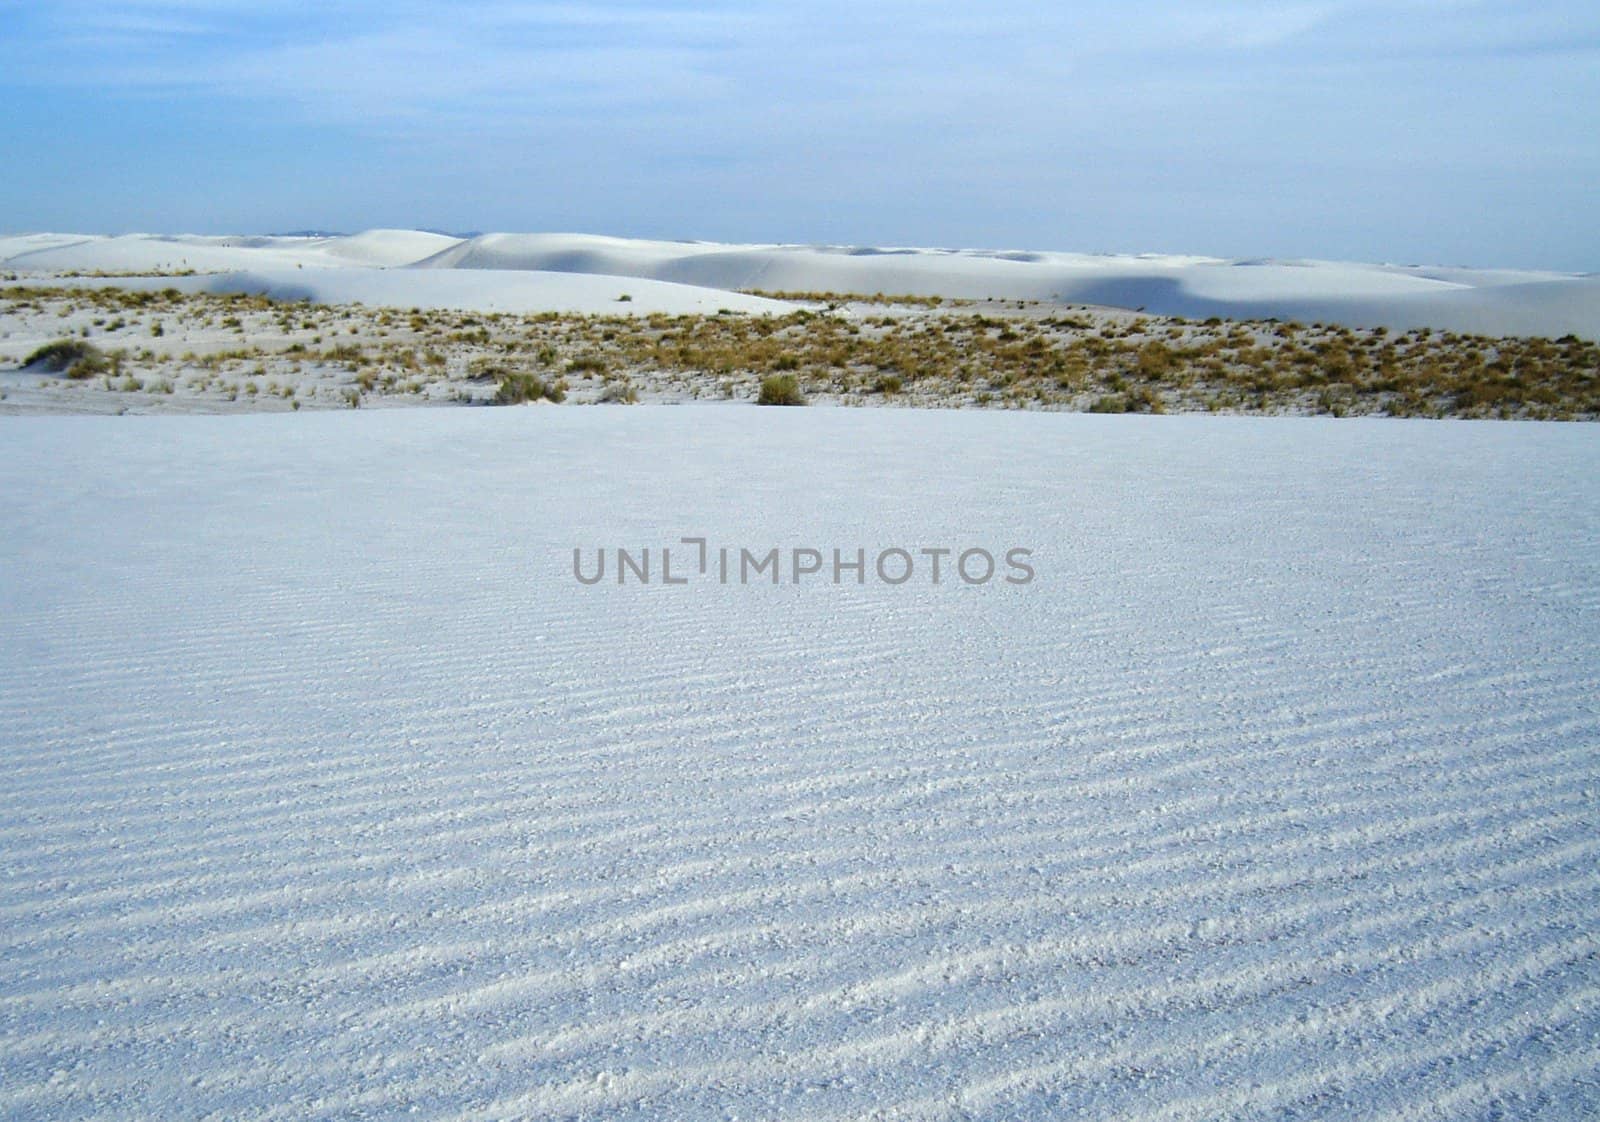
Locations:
(384, 248)
(1487, 301)
(326, 792)
(171, 253)
(507, 291)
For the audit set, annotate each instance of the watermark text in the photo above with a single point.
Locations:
(699, 560)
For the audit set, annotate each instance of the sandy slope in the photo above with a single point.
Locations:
(326, 792)
(1488, 301)
(1481, 301)
(151, 252)
(509, 291)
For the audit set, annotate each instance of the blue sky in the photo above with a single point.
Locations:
(1423, 131)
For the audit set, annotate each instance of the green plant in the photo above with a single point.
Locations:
(780, 389)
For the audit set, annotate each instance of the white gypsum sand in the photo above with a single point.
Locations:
(513, 292)
(1476, 301)
(328, 792)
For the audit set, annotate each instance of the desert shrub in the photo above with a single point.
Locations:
(518, 387)
(1155, 360)
(76, 358)
(889, 384)
(486, 369)
(780, 389)
(1135, 400)
(1141, 400)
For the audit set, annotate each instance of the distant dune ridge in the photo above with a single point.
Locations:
(531, 272)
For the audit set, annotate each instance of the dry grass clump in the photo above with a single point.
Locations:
(73, 357)
(620, 392)
(904, 299)
(517, 387)
(780, 389)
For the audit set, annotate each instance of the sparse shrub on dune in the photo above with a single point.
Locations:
(518, 387)
(944, 357)
(780, 389)
(1142, 400)
(73, 357)
(1154, 361)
